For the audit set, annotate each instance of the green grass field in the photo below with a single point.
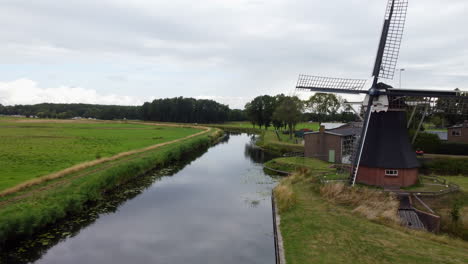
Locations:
(461, 181)
(33, 148)
(315, 230)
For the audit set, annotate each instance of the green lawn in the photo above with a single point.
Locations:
(461, 181)
(33, 149)
(317, 231)
(290, 164)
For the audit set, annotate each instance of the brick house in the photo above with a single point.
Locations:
(458, 133)
(331, 145)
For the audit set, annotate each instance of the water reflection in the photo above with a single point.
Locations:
(255, 153)
(215, 210)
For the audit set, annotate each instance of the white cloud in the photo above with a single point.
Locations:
(224, 50)
(25, 91)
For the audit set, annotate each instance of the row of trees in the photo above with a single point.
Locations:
(64, 111)
(189, 110)
(282, 111)
(179, 109)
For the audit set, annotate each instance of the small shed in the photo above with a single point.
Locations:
(332, 145)
(458, 133)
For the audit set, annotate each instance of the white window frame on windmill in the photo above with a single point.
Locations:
(391, 172)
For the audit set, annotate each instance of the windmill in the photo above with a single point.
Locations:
(383, 153)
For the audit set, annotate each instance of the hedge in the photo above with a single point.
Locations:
(430, 143)
(445, 166)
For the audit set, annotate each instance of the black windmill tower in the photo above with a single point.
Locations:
(383, 153)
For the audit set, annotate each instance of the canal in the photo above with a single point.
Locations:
(212, 208)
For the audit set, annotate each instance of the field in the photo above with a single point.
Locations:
(33, 148)
(315, 230)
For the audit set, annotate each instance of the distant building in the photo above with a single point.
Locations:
(458, 133)
(332, 145)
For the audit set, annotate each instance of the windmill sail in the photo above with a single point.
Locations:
(331, 85)
(390, 40)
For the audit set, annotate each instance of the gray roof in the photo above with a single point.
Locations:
(349, 129)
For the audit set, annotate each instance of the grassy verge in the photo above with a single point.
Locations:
(333, 225)
(34, 148)
(292, 164)
(270, 141)
(23, 213)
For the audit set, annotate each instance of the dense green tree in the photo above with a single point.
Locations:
(324, 103)
(289, 111)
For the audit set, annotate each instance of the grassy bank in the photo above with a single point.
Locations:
(333, 224)
(33, 148)
(270, 141)
(292, 164)
(26, 211)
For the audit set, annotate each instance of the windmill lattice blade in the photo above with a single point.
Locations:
(389, 48)
(443, 105)
(331, 85)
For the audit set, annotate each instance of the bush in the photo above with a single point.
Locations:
(430, 143)
(445, 166)
(451, 148)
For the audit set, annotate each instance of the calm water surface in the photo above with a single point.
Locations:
(216, 209)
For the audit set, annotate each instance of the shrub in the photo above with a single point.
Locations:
(451, 148)
(445, 166)
(430, 143)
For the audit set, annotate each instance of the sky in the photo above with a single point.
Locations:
(128, 52)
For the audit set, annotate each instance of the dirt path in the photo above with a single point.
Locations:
(89, 164)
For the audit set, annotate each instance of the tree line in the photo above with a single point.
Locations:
(190, 110)
(179, 109)
(283, 111)
(66, 111)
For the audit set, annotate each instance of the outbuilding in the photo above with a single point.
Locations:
(458, 133)
(332, 145)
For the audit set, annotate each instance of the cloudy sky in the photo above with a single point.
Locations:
(128, 52)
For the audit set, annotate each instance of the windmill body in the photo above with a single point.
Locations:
(392, 161)
(383, 153)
